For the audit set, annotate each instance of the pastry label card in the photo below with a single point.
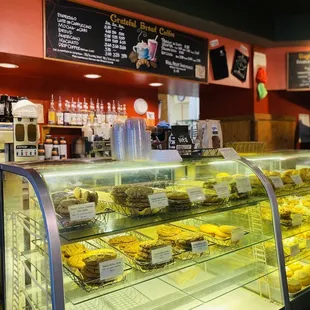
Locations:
(161, 255)
(196, 194)
(296, 219)
(229, 153)
(222, 190)
(237, 234)
(158, 200)
(294, 249)
(199, 246)
(243, 185)
(111, 269)
(82, 212)
(296, 179)
(276, 181)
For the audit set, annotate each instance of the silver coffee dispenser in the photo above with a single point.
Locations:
(25, 131)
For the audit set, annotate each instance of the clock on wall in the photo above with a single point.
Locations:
(140, 106)
(181, 98)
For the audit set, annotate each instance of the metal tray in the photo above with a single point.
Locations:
(142, 266)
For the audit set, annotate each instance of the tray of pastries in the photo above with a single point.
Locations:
(63, 200)
(132, 200)
(137, 250)
(213, 233)
(82, 263)
(298, 277)
(182, 239)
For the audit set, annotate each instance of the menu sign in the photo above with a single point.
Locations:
(83, 34)
(298, 71)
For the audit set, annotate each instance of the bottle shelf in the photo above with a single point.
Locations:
(61, 126)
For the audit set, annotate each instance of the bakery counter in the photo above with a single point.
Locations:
(144, 235)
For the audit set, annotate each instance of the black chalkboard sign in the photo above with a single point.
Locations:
(298, 71)
(83, 34)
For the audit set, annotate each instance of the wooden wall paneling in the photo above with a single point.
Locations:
(239, 130)
(277, 134)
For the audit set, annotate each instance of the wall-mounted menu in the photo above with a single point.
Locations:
(298, 71)
(83, 34)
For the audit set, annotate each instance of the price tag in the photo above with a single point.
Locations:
(161, 255)
(158, 200)
(199, 246)
(277, 182)
(82, 212)
(229, 153)
(308, 243)
(243, 185)
(294, 249)
(297, 179)
(111, 269)
(222, 190)
(196, 194)
(296, 219)
(237, 234)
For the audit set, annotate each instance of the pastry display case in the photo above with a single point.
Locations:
(201, 234)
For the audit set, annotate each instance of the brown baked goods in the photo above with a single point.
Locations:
(90, 271)
(121, 241)
(289, 272)
(178, 200)
(294, 285)
(227, 229)
(303, 277)
(73, 249)
(168, 233)
(223, 177)
(184, 239)
(131, 249)
(296, 266)
(208, 228)
(305, 174)
(144, 251)
(221, 234)
(76, 261)
(285, 213)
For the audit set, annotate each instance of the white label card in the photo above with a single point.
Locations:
(297, 179)
(195, 194)
(296, 219)
(111, 269)
(229, 153)
(294, 249)
(199, 246)
(82, 212)
(237, 234)
(308, 243)
(243, 185)
(214, 43)
(277, 182)
(222, 190)
(161, 255)
(158, 200)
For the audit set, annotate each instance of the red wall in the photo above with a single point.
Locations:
(40, 90)
(223, 101)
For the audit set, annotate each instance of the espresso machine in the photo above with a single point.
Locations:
(25, 131)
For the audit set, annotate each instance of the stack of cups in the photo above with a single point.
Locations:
(131, 141)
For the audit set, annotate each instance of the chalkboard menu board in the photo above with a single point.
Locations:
(298, 71)
(83, 34)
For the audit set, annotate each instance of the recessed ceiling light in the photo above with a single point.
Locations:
(8, 66)
(92, 76)
(156, 84)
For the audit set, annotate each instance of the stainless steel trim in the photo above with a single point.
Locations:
(276, 230)
(52, 235)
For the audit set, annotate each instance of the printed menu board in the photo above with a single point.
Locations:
(298, 71)
(74, 32)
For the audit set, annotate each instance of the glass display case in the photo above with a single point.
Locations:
(201, 234)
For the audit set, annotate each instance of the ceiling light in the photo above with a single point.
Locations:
(156, 84)
(92, 76)
(8, 66)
